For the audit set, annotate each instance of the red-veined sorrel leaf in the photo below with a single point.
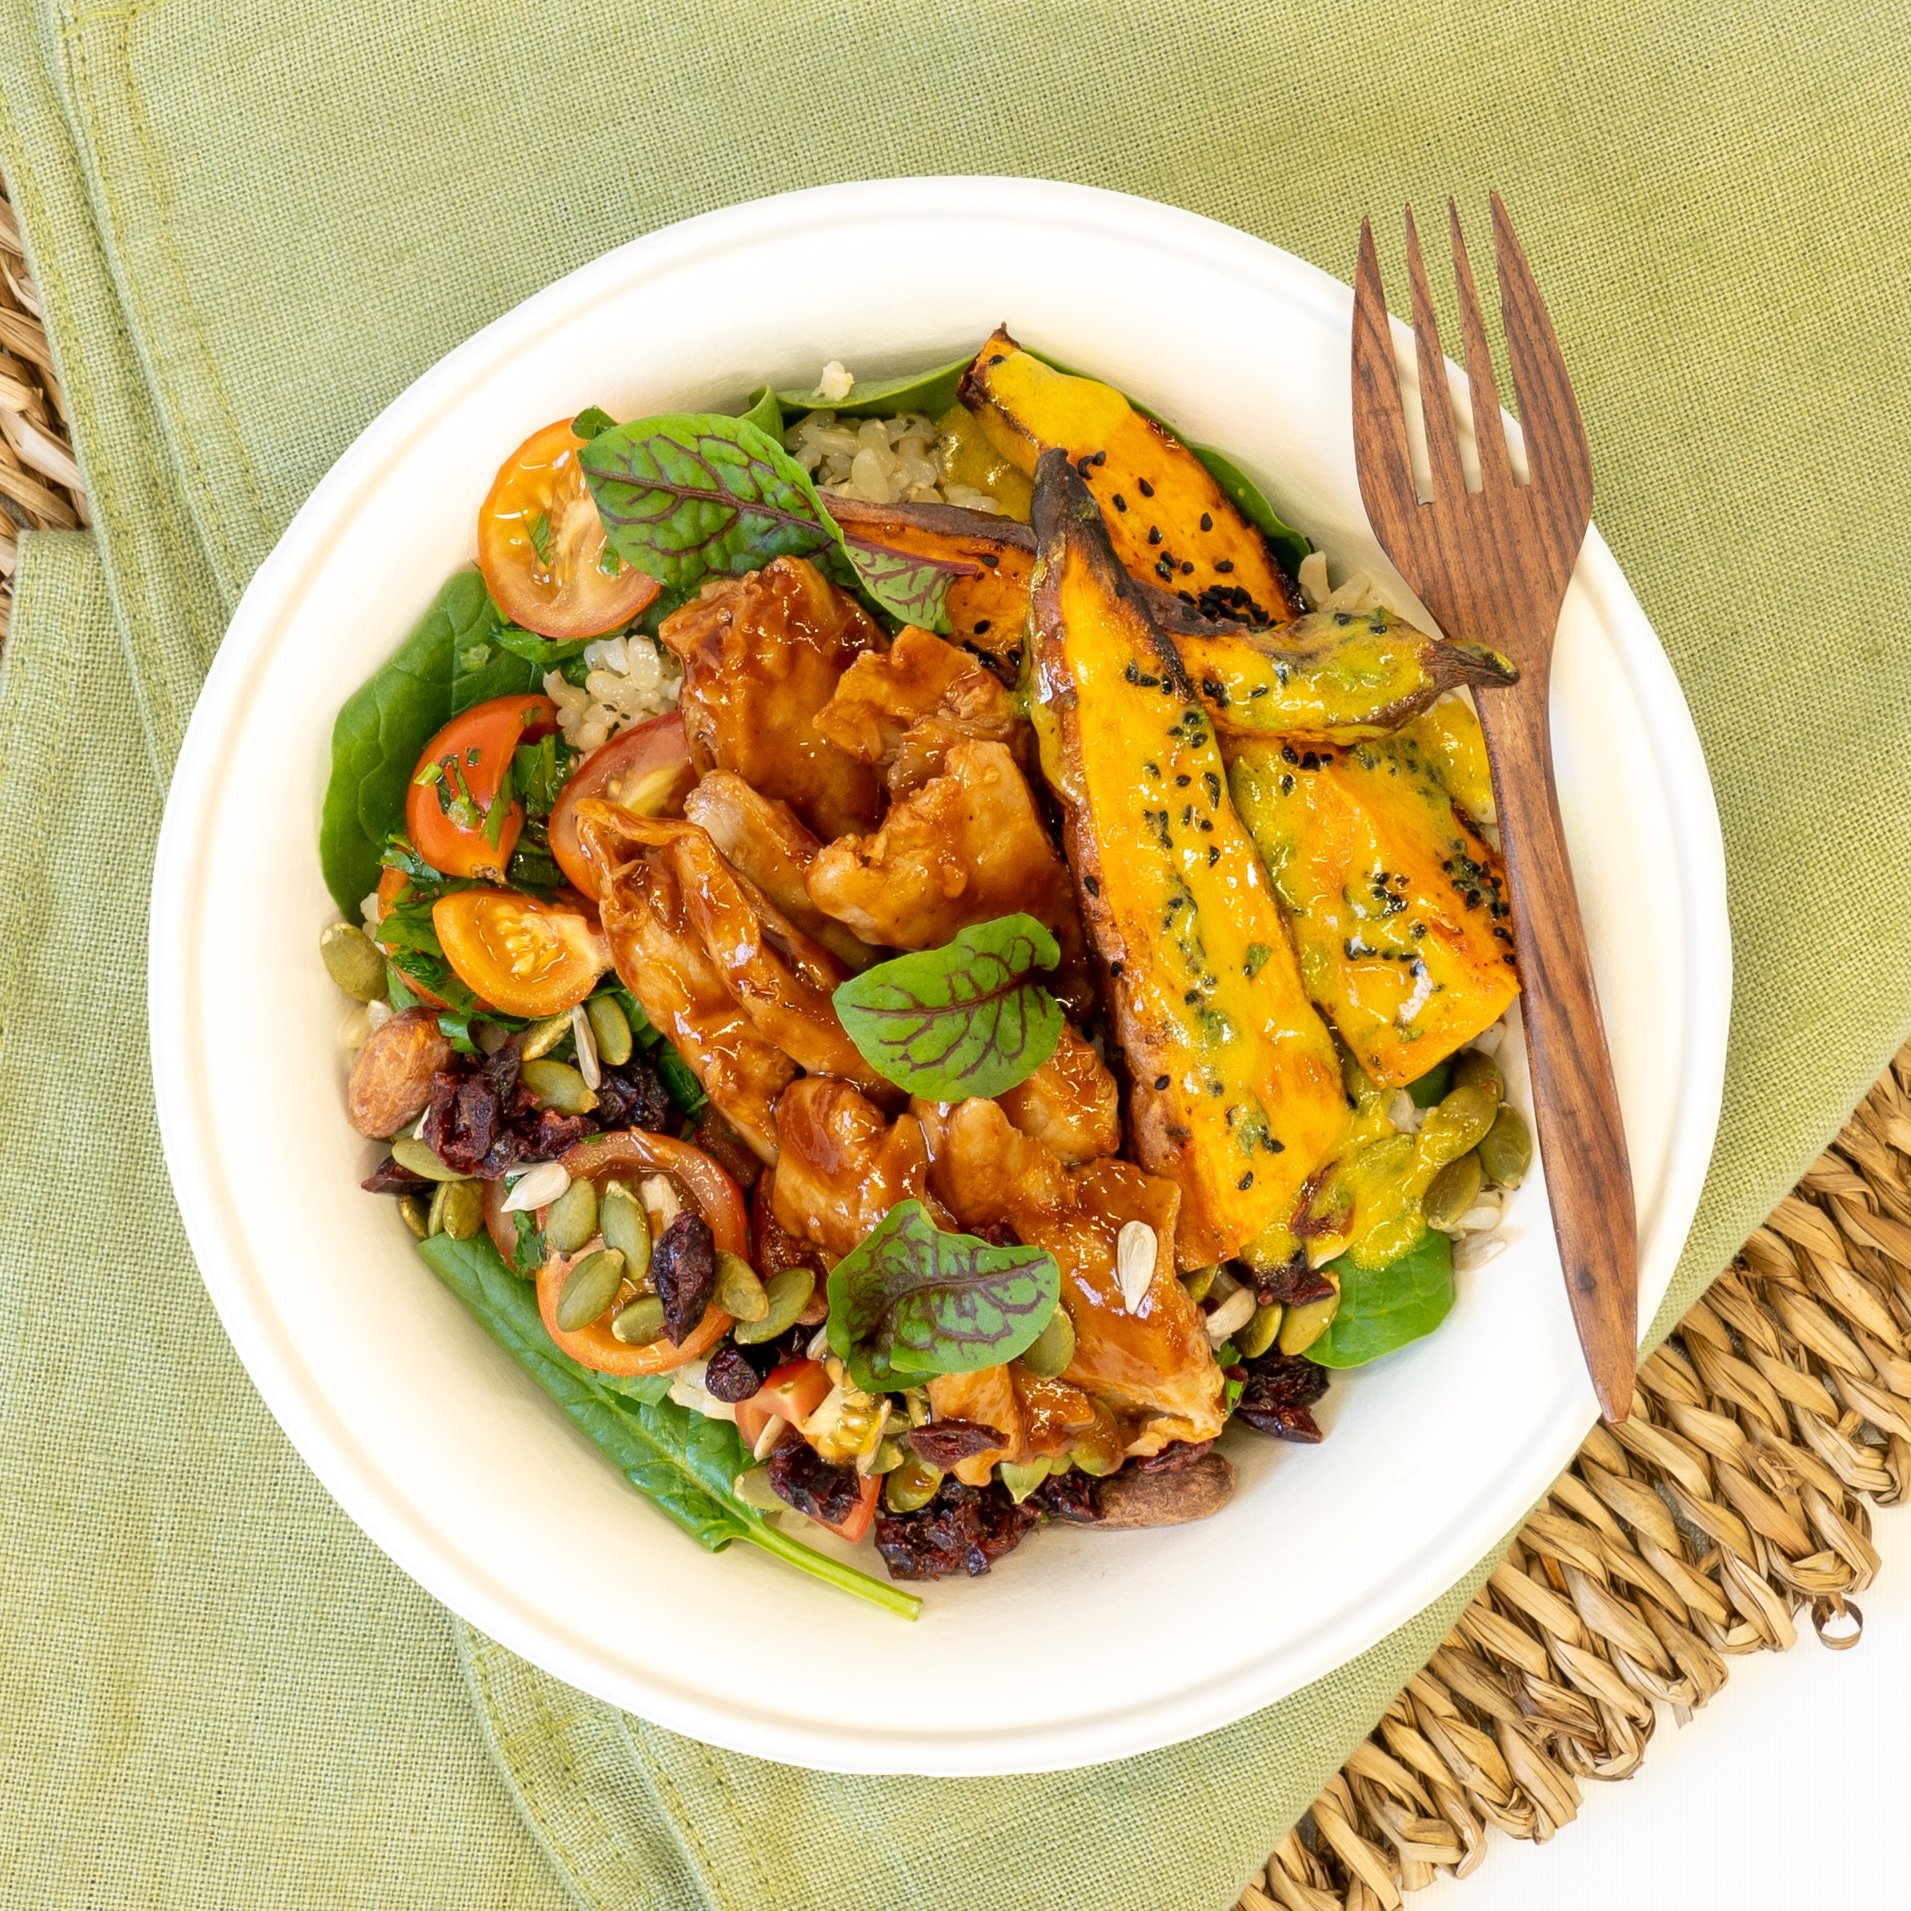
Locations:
(965, 1019)
(912, 1301)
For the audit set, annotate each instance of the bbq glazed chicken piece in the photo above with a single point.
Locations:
(966, 847)
(1152, 1364)
(1033, 1416)
(901, 709)
(763, 841)
(841, 1163)
(1071, 1104)
(742, 993)
(762, 655)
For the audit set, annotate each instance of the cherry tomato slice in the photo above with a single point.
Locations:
(457, 780)
(630, 1155)
(791, 1393)
(392, 887)
(541, 544)
(645, 768)
(520, 955)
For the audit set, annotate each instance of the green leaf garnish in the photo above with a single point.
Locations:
(931, 392)
(592, 420)
(688, 495)
(684, 1464)
(911, 1301)
(1384, 1308)
(961, 1020)
(540, 533)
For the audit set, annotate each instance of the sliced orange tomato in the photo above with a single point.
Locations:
(703, 1186)
(392, 887)
(448, 808)
(522, 956)
(541, 544)
(646, 768)
(790, 1393)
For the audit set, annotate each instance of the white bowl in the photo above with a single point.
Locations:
(450, 1458)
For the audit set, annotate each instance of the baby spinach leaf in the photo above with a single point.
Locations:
(592, 420)
(1247, 498)
(454, 658)
(683, 1463)
(688, 495)
(931, 392)
(912, 1300)
(1384, 1308)
(546, 652)
(961, 1020)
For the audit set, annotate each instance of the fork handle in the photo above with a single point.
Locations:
(1582, 1139)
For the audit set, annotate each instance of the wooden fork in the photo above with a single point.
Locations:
(1493, 565)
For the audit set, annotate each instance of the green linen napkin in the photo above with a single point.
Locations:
(252, 225)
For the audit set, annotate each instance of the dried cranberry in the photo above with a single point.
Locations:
(1070, 1496)
(632, 1096)
(964, 1529)
(465, 1121)
(945, 1442)
(802, 1477)
(767, 1356)
(1290, 1284)
(1174, 1456)
(683, 1270)
(1280, 1388)
(389, 1178)
(729, 1376)
(728, 1149)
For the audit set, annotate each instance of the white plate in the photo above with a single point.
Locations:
(448, 1456)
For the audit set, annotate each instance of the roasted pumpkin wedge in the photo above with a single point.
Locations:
(1168, 518)
(1329, 677)
(988, 606)
(1236, 1083)
(1398, 904)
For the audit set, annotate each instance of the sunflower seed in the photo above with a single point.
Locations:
(535, 1186)
(1236, 1311)
(585, 1039)
(1135, 1250)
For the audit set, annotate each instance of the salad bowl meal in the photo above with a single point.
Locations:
(921, 949)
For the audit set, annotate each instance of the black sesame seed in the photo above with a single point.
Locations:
(1121, 503)
(1246, 1181)
(1147, 490)
(1187, 569)
(1161, 1082)
(1214, 854)
(1225, 565)
(981, 626)
(1092, 885)
(1207, 522)
(1154, 534)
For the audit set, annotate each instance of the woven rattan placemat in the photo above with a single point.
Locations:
(1736, 1497)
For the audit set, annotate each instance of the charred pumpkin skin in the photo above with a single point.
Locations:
(1328, 677)
(1168, 520)
(1236, 1092)
(988, 607)
(1398, 904)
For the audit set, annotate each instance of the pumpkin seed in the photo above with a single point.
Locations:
(1197, 1281)
(1452, 1191)
(637, 1323)
(611, 1026)
(1457, 1126)
(415, 1157)
(753, 1488)
(789, 1293)
(1431, 1086)
(541, 1037)
(1097, 1462)
(435, 1214)
(354, 961)
(1306, 1323)
(1023, 1480)
(625, 1226)
(1477, 1069)
(738, 1291)
(1507, 1151)
(590, 1287)
(463, 1212)
(572, 1219)
(890, 1454)
(558, 1085)
(913, 1484)
(1257, 1336)
(416, 1216)
(1053, 1348)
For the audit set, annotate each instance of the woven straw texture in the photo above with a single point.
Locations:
(250, 226)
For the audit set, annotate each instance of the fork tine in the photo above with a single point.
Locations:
(1489, 431)
(1436, 399)
(1386, 477)
(1549, 414)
